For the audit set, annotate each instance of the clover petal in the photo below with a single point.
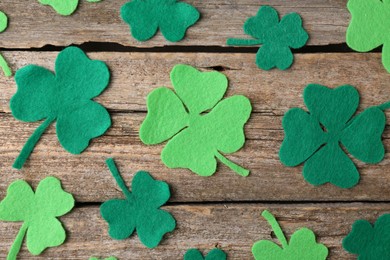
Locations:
(267, 250)
(63, 7)
(195, 254)
(270, 56)
(12, 208)
(258, 26)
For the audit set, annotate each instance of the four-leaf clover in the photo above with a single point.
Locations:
(3, 63)
(302, 244)
(276, 37)
(64, 7)
(139, 210)
(315, 137)
(39, 212)
(195, 254)
(65, 97)
(200, 124)
(172, 17)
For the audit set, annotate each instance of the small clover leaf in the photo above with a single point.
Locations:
(369, 242)
(3, 63)
(172, 17)
(64, 7)
(276, 37)
(139, 210)
(195, 254)
(302, 245)
(199, 123)
(332, 109)
(65, 97)
(39, 212)
(109, 258)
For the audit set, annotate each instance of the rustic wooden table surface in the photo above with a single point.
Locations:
(222, 210)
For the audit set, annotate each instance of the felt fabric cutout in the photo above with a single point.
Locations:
(302, 244)
(315, 137)
(200, 124)
(275, 37)
(38, 211)
(172, 17)
(64, 97)
(370, 241)
(110, 258)
(368, 28)
(195, 254)
(139, 210)
(64, 7)
(3, 63)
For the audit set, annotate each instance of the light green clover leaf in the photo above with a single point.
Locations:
(3, 63)
(64, 7)
(39, 212)
(195, 254)
(199, 124)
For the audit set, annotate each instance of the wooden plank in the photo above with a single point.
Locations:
(234, 228)
(36, 25)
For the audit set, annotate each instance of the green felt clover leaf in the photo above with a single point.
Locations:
(370, 242)
(65, 97)
(195, 254)
(277, 38)
(64, 7)
(200, 124)
(172, 17)
(39, 212)
(3, 63)
(109, 258)
(302, 244)
(315, 137)
(369, 27)
(139, 210)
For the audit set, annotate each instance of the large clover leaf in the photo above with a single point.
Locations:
(64, 7)
(276, 37)
(39, 212)
(172, 17)
(3, 63)
(195, 254)
(200, 125)
(306, 140)
(65, 97)
(139, 210)
(302, 244)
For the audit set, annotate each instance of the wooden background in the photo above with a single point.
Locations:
(222, 210)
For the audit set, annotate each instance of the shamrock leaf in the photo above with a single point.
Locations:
(276, 37)
(110, 258)
(39, 212)
(64, 7)
(140, 210)
(306, 140)
(195, 254)
(3, 63)
(65, 97)
(370, 242)
(302, 245)
(172, 17)
(197, 137)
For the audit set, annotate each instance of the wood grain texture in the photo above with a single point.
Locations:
(36, 25)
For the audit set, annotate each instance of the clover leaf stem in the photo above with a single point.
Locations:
(238, 169)
(119, 180)
(243, 42)
(4, 66)
(15, 248)
(385, 106)
(275, 227)
(31, 143)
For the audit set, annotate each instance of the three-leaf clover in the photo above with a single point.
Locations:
(370, 242)
(315, 137)
(195, 254)
(369, 27)
(200, 124)
(3, 63)
(64, 7)
(276, 37)
(139, 210)
(65, 97)
(302, 244)
(172, 17)
(39, 212)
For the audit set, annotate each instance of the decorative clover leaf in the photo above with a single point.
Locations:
(65, 97)
(172, 17)
(110, 258)
(39, 212)
(276, 37)
(195, 254)
(197, 137)
(140, 210)
(3, 63)
(64, 7)
(305, 139)
(370, 242)
(302, 245)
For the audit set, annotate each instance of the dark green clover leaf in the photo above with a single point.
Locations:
(64, 97)
(302, 245)
(276, 37)
(195, 254)
(172, 17)
(200, 124)
(370, 242)
(3, 63)
(139, 210)
(315, 137)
